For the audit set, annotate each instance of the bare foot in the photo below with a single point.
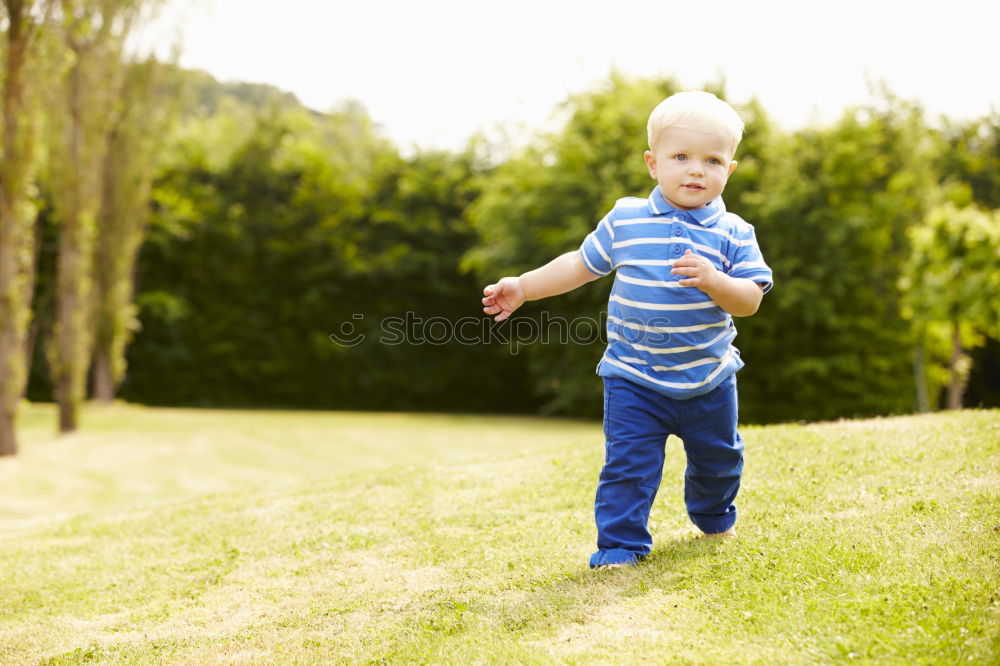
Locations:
(731, 532)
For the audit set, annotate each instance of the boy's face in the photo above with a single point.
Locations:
(691, 167)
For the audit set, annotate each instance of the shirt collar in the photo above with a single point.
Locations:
(707, 216)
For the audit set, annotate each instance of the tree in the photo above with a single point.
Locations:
(953, 277)
(973, 158)
(971, 169)
(832, 210)
(93, 32)
(257, 255)
(254, 233)
(138, 132)
(24, 21)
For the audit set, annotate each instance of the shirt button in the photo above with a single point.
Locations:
(677, 231)
(677, 249)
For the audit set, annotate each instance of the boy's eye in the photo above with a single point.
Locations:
(681, 157)
(714, 160)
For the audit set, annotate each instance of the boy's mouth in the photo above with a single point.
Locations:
(693, 186)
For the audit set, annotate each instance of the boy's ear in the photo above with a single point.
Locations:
(732, 168)
(650, 163)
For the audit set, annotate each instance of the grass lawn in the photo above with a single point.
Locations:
(201, 536)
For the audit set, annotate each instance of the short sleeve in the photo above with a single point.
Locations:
(597, 248)
(748, 262)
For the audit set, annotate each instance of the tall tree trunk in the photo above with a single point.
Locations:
(956, 370)
(94, 33)
(920, 377)
(8, 434)
(17, 215)
(72, 331)
(40, 307)
(103, 380)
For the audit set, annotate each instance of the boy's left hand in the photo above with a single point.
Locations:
(700, 271)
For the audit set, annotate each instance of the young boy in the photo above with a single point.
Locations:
(684, 267)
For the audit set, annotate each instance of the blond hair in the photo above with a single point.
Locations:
(695, 110)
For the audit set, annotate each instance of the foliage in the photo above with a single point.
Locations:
(834, 205)
(970, 166)
(971, 160)
(315, 222)
(954, 268)
(137, 134)
(952, 281)
(274, 227)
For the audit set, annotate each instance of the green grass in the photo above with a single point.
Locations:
(187, 536)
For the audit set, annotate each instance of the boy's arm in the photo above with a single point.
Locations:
(564, 273)
(739, 297)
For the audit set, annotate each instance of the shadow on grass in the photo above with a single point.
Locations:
(549, 604)
(559, 601)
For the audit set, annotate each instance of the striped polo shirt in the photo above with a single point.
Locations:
(673, 339)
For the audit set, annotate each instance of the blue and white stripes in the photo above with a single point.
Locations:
(671, 338)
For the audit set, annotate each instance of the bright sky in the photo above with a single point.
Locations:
(433, 72)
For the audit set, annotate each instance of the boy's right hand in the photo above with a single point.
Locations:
(502, 298)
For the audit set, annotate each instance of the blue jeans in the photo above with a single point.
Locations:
(637, 421)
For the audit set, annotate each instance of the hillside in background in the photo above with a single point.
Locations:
(208, 96)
